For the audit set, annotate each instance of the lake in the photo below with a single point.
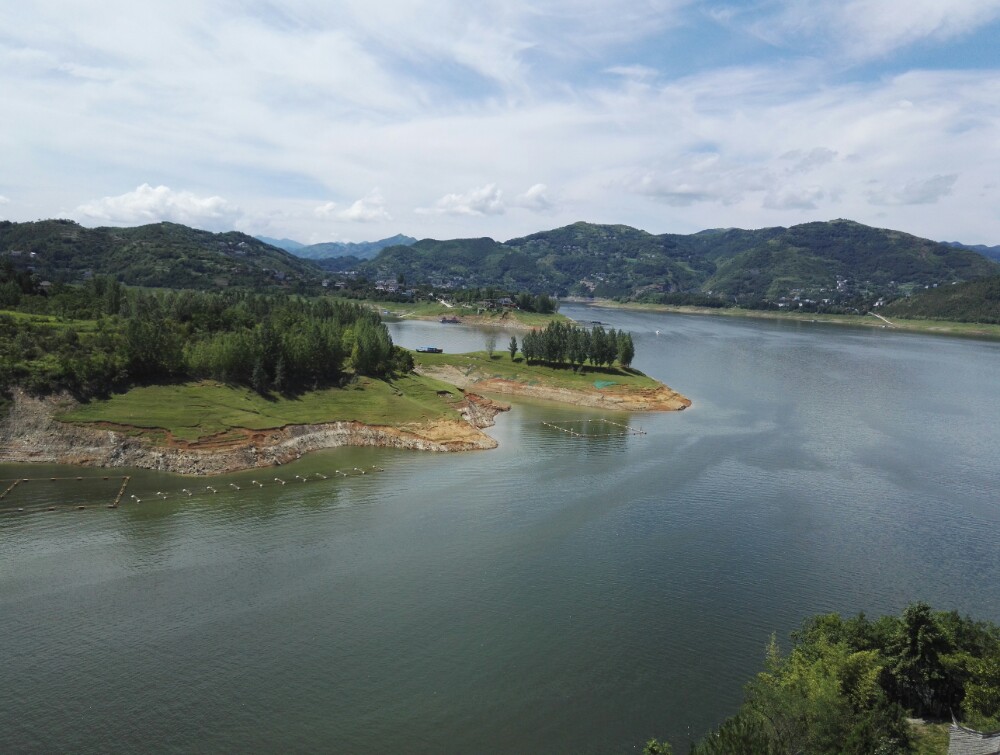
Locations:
(557, 594)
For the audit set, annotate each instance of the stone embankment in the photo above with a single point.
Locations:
(30, 433)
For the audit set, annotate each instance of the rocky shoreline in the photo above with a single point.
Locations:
(660, 399)
(30, 433)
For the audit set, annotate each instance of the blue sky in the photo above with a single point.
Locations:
(358, 119)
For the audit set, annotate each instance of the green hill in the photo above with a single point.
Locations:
(364, 250)
(993, 252)
(158, 255)
(839, 262)
(973, 301)
(824, 260)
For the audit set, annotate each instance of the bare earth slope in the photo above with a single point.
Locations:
(30, 433)
(620, 398)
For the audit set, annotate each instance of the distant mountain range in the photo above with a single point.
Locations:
(823, 261)
(363, 250)
(993, 252)
(159, 255)
(741, 265)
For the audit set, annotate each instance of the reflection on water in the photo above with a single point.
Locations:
(596, 580)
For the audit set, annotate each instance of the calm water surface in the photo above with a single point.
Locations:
(554, 595)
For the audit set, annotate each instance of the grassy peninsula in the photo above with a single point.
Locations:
(204, 382)
(195, 411)
(607, 387)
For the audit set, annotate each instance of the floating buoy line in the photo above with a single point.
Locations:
(625, 430)
(8, 486)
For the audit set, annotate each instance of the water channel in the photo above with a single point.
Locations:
(557, 594)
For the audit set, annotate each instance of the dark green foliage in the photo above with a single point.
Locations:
(158, 255)
(655, 747)
(711, 268)
(990, 252)
(847, 685)
(973, 301)
(626, 349)
(561, 342)
(266, 342)
(512, 347)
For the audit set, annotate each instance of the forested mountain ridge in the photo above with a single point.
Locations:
(972, 301)
(993, 252)
(620, 261)
(364, 250)
(157, 255)
(835, 262)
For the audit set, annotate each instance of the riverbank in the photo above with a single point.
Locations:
(508, 319)
(933, 327)
(601, 388)
(32, 433)
(210, 429)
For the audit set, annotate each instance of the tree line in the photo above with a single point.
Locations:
(847, 686)
(101, 337)
(561, 342)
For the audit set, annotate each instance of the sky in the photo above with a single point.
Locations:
(352, 120)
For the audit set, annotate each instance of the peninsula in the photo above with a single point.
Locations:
(207, 427)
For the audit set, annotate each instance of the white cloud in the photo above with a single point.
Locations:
(918, 191)
(369, 209)
(151, 205)
(4, 200)
(794, 198)
(326, 210)
(706, 178)
(487, 200)
(806, 161)
(281, 107)
(634, 72)
(871, 29)
(535, 198)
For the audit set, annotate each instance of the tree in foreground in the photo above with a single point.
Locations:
(847, 685)
(491, 343)
(512, 347)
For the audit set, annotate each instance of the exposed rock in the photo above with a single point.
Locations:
(30, 433)
(659, 399)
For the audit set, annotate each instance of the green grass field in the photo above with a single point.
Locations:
(930, 739)
(81, 326)
(501, 366)
(200, 409)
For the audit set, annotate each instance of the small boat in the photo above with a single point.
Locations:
(430, 350)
